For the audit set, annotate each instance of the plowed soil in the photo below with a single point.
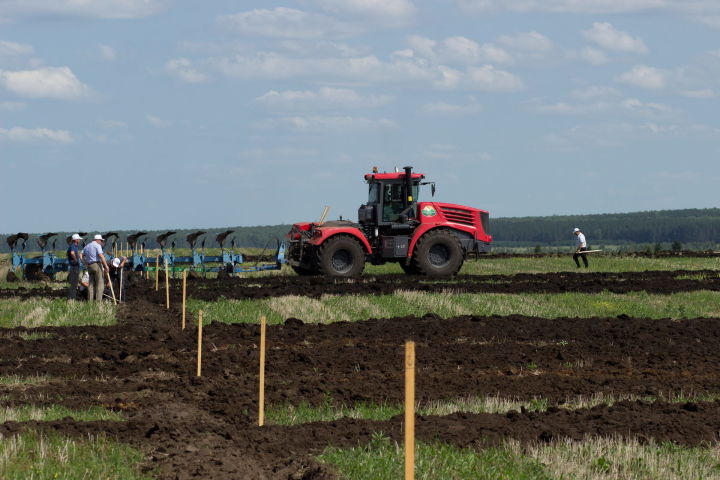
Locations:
(659, 282)
(204, 427)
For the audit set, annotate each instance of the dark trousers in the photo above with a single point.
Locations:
(583, 256)
(73, 276)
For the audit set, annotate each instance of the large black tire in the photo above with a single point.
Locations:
(438, 254)
(341, 256)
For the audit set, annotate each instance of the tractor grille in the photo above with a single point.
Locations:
(458, 215)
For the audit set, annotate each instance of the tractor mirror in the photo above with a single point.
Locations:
(432, 189)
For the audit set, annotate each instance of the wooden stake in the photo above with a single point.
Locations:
(112, 290)
(409, 410)
(167, 286)
(199, 350)
(184, 291)
(157, 273)
(261, 400)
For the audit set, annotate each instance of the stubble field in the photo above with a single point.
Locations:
(555, 373)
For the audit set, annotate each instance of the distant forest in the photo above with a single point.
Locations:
(691, 228)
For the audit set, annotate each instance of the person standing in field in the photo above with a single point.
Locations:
(73, 256)
(116, 269)
(580, 246)
(97, 266)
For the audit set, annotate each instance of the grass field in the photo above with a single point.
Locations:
(353, 308)
(38, 456)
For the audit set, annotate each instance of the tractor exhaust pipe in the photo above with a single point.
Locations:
(408, 198)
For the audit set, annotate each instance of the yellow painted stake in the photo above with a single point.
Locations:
(184, 291)
(199, 350)
(157, 273)
(409, 410)
(261, 400)
(167, 286)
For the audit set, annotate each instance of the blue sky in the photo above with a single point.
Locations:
(123, 114)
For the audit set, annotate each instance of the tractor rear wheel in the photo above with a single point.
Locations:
(341, 256)
(439, 254)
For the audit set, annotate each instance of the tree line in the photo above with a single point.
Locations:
(689, 226)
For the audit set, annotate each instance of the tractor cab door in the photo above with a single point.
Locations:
(392, 202)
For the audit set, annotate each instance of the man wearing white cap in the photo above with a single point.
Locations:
(73, 256)
(580, 246)
(97, 266)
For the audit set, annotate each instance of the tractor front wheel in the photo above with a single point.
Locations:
(439, 254)
(341, 256)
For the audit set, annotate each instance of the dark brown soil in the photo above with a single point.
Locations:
(658, 282)
(192, 427)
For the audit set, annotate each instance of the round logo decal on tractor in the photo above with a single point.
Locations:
(428, 211)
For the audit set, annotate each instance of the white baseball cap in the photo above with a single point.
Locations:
(99, 237)
(116, 262)
(76, 237)
(576, 229)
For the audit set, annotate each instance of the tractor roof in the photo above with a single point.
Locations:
(392, 176)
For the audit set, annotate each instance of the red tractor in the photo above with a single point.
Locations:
(425, 238)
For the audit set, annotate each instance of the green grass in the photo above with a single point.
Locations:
(288, 414)
(383, 459)
(598, 263)
(41, 312)
(37, 456)
(14, 380)
(330, 308)
(56, 412)
(591, 459)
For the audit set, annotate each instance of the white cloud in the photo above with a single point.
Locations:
(182, 68)
(451, 109)
(458, 50)
(488, 78)
(644, 77)
(527, 41)
(284, 22)
(594, 91)
(157, 122)
(712, 21)
(607, 135)
(332, 123)
(109, 9)
(608, 37)
(382, 12)
(13, 49)
(602, 102)
(593, 56)
(11, 106)
(29, 135)
(404, 67)
(107, 52)
(590, 6)
(702, 93)
(48, 82)
(323, 98)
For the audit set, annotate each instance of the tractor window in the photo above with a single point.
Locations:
(374, 195)
(392, 202)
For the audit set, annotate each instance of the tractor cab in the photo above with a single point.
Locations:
(392, 200)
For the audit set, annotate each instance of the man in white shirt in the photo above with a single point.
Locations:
(580, 246)
(94, 258)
